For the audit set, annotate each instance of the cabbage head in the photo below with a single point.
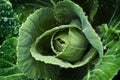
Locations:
(56, 39)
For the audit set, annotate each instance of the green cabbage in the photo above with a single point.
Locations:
(55, 39)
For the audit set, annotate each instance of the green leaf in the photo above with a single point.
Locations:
(109, 66)
(8, 67)
(32, 28)
(18, 76)
(8, 52)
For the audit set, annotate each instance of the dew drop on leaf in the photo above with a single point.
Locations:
(5, 19)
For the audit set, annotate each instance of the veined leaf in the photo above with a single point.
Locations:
(34, 27)
(8, 68)
(108, 67)
(7, 52)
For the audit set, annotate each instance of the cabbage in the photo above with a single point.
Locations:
(52, 40)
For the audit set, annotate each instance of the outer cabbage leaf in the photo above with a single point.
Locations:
(28, 33)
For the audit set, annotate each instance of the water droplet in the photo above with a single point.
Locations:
(8, 13)
(23, 7)
(116, 49)
(5, 19)
(15, 23)
(2, 35)
(2, 52)
(105, 47)
(10, 23)
(2, 11)
(9, 46)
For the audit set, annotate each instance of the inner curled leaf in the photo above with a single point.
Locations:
(68, 46)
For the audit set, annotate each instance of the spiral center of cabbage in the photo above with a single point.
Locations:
(69, 44)
(60, 41)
